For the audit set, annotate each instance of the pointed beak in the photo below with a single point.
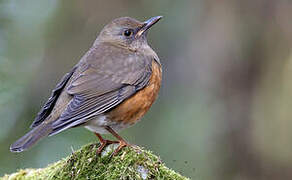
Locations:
(147, 25)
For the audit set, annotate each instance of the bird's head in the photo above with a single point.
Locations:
(127, 32)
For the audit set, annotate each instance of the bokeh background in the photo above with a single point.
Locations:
(225, 106)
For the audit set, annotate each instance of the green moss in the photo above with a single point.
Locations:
(84, 164)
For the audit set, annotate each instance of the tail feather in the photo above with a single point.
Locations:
(31, 137)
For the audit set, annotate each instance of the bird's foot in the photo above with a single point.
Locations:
(120, 147)
(104, 143)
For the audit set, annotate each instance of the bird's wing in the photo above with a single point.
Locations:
(103, 83)
(49, 105)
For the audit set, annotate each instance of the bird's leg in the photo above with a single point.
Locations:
(122, 142)
(103, 143)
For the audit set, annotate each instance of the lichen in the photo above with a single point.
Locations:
(84, 164)
(143, 172)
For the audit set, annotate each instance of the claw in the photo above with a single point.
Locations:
(103, 144)
(120, 147)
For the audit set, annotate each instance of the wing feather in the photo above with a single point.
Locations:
(49, 105)
(79, 112)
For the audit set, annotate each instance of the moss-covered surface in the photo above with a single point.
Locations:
(85, 164)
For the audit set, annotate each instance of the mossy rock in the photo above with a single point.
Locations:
(85, 164)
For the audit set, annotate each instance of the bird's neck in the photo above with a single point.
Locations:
(115, 44)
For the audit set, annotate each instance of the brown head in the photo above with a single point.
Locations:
(127, 32)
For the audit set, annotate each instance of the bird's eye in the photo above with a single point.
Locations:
(128, 32)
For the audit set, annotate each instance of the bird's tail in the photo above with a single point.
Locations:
(31, 137)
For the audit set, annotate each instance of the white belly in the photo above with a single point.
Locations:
(97, 125)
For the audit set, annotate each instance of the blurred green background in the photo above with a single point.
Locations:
(224, 109)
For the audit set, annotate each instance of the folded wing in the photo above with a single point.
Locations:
(101, 85)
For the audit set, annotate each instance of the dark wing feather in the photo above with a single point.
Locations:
(49, 105)
(79, 112)
(99, 88)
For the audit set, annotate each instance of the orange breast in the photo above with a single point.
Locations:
(132, 109)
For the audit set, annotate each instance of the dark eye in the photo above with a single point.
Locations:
(128, 32)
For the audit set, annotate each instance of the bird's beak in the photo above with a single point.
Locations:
(147, 25)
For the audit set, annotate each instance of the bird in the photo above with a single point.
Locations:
(111, 88)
